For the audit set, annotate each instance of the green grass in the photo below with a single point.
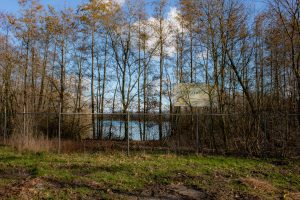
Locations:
(71, 176)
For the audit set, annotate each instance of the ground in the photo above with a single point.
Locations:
(144, 176)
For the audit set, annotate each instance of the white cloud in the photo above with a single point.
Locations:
(173, 16)
(121, 2)
(171, 26)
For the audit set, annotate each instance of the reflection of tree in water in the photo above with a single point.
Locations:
(115, 130)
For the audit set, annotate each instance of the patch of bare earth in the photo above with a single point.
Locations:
(292, 196)
(190, 193)
(260, 185)
(36, 187)
(45, 187)
(16, 177)
(169, 192)
(218, 185)
(8, 191)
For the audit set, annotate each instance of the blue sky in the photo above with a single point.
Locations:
(12, 5)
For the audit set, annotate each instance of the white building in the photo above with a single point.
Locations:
(194, 95)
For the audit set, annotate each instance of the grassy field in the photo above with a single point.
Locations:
(144, 176)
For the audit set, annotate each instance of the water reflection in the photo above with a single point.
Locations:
(138, 131)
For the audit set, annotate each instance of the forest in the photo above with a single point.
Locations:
(107, 57)
(150, 99)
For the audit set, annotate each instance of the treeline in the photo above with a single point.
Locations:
(106, 57)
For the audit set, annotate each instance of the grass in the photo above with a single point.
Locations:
(113, 176)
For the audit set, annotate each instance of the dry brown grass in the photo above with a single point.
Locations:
(42, 144)
(259, 185)
(31, 143)
(292, 196)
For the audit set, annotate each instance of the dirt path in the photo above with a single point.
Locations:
(41, 188)
(189, 193)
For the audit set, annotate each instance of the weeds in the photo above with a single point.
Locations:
(84, 175)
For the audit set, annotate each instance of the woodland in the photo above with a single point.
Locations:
(107, 57)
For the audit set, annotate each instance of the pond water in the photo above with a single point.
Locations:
(138, 131)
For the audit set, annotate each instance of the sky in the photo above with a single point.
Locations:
(12, 6)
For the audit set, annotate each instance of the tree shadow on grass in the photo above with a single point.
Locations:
(7, 159)
(83, 170)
